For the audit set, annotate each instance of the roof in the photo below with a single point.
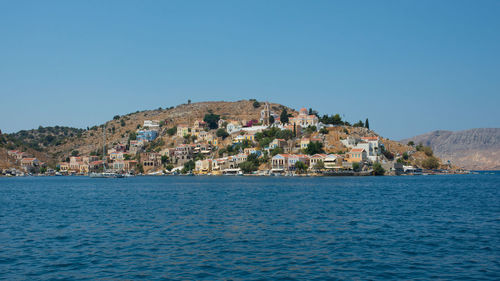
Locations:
(369, 138)
(357, 150)
(282, 155)
(319, 155)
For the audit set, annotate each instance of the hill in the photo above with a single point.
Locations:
(476, 149)
(53, 145)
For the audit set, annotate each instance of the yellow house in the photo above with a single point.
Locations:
(64, 166)
(249, 137)
(304, 142)
(182, 130)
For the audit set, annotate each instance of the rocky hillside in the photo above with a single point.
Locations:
(57, 143)
(477, 149)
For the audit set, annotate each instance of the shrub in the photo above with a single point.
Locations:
(319, 165)
(389, 155)
(221, 133)
(248, 167)
(277, 150)
(314, 147)
(172, 131)
(256, 104)
(356, 166)
(300, 166)
(212, 120)
(378, 170)
(427, 150)
(431, 163)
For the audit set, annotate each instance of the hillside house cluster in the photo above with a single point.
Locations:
(363, 149)
(28, 163)
(218, 154)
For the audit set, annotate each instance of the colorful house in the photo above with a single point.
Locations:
(357, 155)
(304, 119)
(183, 130)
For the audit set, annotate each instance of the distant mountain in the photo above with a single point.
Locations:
(477, 149)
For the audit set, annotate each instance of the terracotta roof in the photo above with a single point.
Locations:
(28, 159)
(369, 138)
(357, 150)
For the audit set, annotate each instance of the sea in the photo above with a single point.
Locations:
(444, 227)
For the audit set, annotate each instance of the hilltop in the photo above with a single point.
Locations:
(476, 149)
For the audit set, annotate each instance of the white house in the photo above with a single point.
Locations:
(151, 124)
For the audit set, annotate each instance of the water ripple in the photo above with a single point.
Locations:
(206, 228)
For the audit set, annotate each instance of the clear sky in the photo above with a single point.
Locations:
(409, 66)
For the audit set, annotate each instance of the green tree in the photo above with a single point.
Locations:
(248, 167)
(431, 163)
(189, 165)
(411, 143)
(75, 153)
(405, 155)
(356, 166)
(367, 124)
(169, 167)
(271, 119)
(359, 124)
(284, 134)
(164, 159)
(276, 151)
(264, 142)
(314, 147)
(254, 158)
(221, 133)
(212, 120)
(122, 123)
(427, 150)
(300, 166)
(324, 131)
(132, 136)
(172, 131)
(116, 117)
(319, 165)
(256, 104)
(389, 155)
(378, 170)
(284, 116)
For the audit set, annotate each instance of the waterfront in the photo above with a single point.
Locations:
(428, 227)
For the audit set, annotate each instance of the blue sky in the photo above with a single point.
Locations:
(409, 66)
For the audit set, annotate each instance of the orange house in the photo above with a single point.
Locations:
(357, 155)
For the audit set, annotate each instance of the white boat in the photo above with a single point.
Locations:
(105, 175)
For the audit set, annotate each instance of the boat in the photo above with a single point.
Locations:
(105, 173)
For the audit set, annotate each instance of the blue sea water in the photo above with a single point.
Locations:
(251, 228)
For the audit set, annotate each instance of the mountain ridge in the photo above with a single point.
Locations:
(476, 149)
